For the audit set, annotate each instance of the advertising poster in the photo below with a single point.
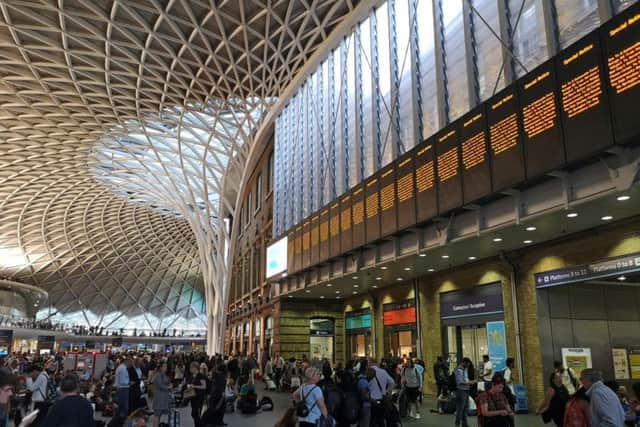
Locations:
(577, 359)
(620, 363)
(497, 343)
(6, 337)
(634, 364)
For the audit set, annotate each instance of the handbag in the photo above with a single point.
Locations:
(189, 393)
(546, 416)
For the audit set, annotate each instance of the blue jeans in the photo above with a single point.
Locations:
(462, 406)
(123, 402)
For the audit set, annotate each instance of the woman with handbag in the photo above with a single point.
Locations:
(555, 401)
(493, 407)
(195, 392)
(310, 405)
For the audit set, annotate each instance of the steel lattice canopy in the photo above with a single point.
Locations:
(124, 128)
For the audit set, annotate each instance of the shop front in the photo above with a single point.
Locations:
(257, 330)
(245, 337)
(472, 323)
(400, 329)
(589, 317)
(268, 335)
(358, 331)
(322, 338)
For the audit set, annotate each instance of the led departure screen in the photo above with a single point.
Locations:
(426, 195)
(346, 224)
(406, 190)
(448, 167)
(585, 115)
(542, 133)
(388, 201)
(507, 168)
(476, 174)
(372, 208)
(359, 237)
(621, 38)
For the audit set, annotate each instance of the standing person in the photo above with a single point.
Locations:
(493, 408)
(311, 394)
(198, 382)
(412, 381)
(576, 413)
(40, 389)
(463, 384)
(555, 401)
(364, 418)
(487, 372)
(380, 383)
(122, 385)
(606, 410)
(441, 374)
(569, 379)
(7, 384)
(508, 373)
(162, 394)
(233, 366)
(217, 400)
(72, 410)
(135, 379)
(178, 373)
(278, 369)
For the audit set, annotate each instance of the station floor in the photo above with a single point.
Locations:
(283, 400)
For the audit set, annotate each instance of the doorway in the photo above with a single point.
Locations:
(401, 343)
(360, 345)
(466, 341)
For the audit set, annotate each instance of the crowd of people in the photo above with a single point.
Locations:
(141, 388)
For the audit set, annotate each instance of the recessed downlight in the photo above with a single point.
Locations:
(356, 286)
(384, 267)
(622, 278)
(290, 296)
(422, 255)
(399, 279)
(338, 297)
(527, 242)
(497, 239)
(572, 214)
(354, 277)
(337, 292)
(375, 286)
(329, 285)
(407, 269)
(623, 198)
(321, 296)
(472, 258)
(531, 228)
(378, 278)
(445, 256)
(607, 218)
(308, 291)
(354, 292)
(431, 270)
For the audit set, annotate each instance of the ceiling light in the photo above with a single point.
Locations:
(422, 255)
(622, 278)
(356, 286)
(283, 275)
(607, 218)
(337, 292)
(572, 214)
(445, 256)
(329, 285)
(431, 270)
(623, 198)
(308, 291)
(383, 267)
(527, 242)
(354, 277)
(407, 269)
(338, 297)
(378, 278)
(530, 228)
(399, 279)
(471, 258)
(321, 296)
(375, 286)
(354, 292)
(290, 296)
(497, 239)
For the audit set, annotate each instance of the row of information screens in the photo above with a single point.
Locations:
(568, 109)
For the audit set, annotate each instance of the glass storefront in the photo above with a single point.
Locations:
(358, 330)
(400, 330)
(321, 340)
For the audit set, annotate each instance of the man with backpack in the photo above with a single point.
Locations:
(43, 391)
(441, 374)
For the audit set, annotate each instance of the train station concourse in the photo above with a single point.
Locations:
(325, 181)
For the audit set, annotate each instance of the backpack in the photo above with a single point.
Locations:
(51, 393)
(266, 404)
(350, 410)
(301, 407)
(249, 403)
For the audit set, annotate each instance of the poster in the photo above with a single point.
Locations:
(6, 337)
(634, 364)
(497, 343)
(577, 359)
(620, 364)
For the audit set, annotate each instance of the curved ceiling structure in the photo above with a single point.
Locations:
(124, 131)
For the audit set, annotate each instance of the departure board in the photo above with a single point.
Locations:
(345, 223)
(324, 234)
(507, 166)
(334, 229)
(476, 173)
(448, 168)
(357, 196)
(314, 236)
(406, 210)
(426, 193)
(306, 244)
(621, 45)
(542, 132)
(585, 112)
(372, 208)
(388, 223)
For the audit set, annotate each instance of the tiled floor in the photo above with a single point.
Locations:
(282, 401)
